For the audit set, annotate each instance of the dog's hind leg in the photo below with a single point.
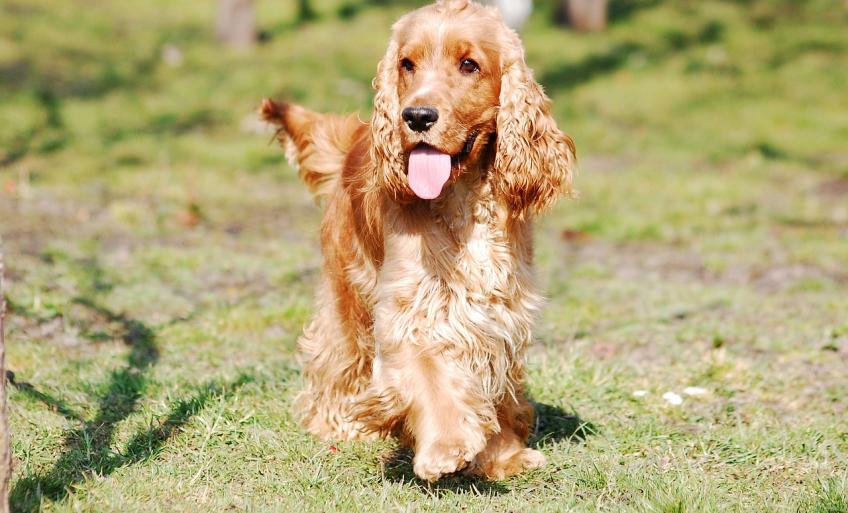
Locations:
(337, 369)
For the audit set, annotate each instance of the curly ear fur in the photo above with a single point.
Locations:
(386, 150)
(534, 160)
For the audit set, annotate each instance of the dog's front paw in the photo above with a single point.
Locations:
(442, 458)
(501, 467)
(528, 459)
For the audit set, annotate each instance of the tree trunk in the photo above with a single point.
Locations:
(5, 449)
(586, 15)
(236, 23)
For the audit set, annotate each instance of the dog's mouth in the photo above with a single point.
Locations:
(466, 149)
(429, 169)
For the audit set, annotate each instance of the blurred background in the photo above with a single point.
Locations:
(95, 94)
(155, 239)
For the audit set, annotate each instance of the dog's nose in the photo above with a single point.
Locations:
(420, 119)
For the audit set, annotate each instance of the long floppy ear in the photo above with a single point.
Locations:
(534, 160)
(386, 150)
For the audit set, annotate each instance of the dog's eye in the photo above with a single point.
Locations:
(468, 66)
(407, 65)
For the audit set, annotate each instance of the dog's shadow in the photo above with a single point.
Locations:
(396, 467)
(553, 424)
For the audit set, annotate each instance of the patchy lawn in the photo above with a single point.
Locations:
(161, 259)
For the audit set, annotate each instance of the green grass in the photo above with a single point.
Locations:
(161, 259)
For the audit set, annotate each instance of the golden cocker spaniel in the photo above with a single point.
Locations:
(427, 297)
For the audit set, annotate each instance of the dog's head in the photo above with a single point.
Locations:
(453, 90)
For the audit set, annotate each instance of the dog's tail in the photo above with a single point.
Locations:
(315, 144)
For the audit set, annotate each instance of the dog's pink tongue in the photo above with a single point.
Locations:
(428, 172)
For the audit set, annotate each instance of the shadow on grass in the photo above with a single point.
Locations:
(64, 72)
(57, 405)
(88, 453)
(88, 448)
(52, 74)
(623, 10)
(587, 69)
(553, 424)
(351, 9)
(618, 11)
(397, 467)
(347, 10)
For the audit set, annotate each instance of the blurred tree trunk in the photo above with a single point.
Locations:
(5, 449)
(236, 23)
(585, 15)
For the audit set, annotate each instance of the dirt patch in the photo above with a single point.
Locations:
(654, 262)
(834, 187)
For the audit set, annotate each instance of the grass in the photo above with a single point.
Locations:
(161, 260)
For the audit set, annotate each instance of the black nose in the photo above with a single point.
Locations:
(420, 119)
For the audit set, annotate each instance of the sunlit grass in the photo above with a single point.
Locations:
(161, 260)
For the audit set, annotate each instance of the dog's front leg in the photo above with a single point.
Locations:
(424, 389)
(506, 452)
(448, 418)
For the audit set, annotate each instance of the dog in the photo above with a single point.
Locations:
(427, 295)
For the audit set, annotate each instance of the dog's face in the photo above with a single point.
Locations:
(452, 82)
(449, 73)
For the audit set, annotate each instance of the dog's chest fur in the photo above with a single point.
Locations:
(457, 278)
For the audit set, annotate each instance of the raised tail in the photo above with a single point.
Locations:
(315, 144)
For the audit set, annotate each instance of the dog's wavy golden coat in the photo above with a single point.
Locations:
(425, 307)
